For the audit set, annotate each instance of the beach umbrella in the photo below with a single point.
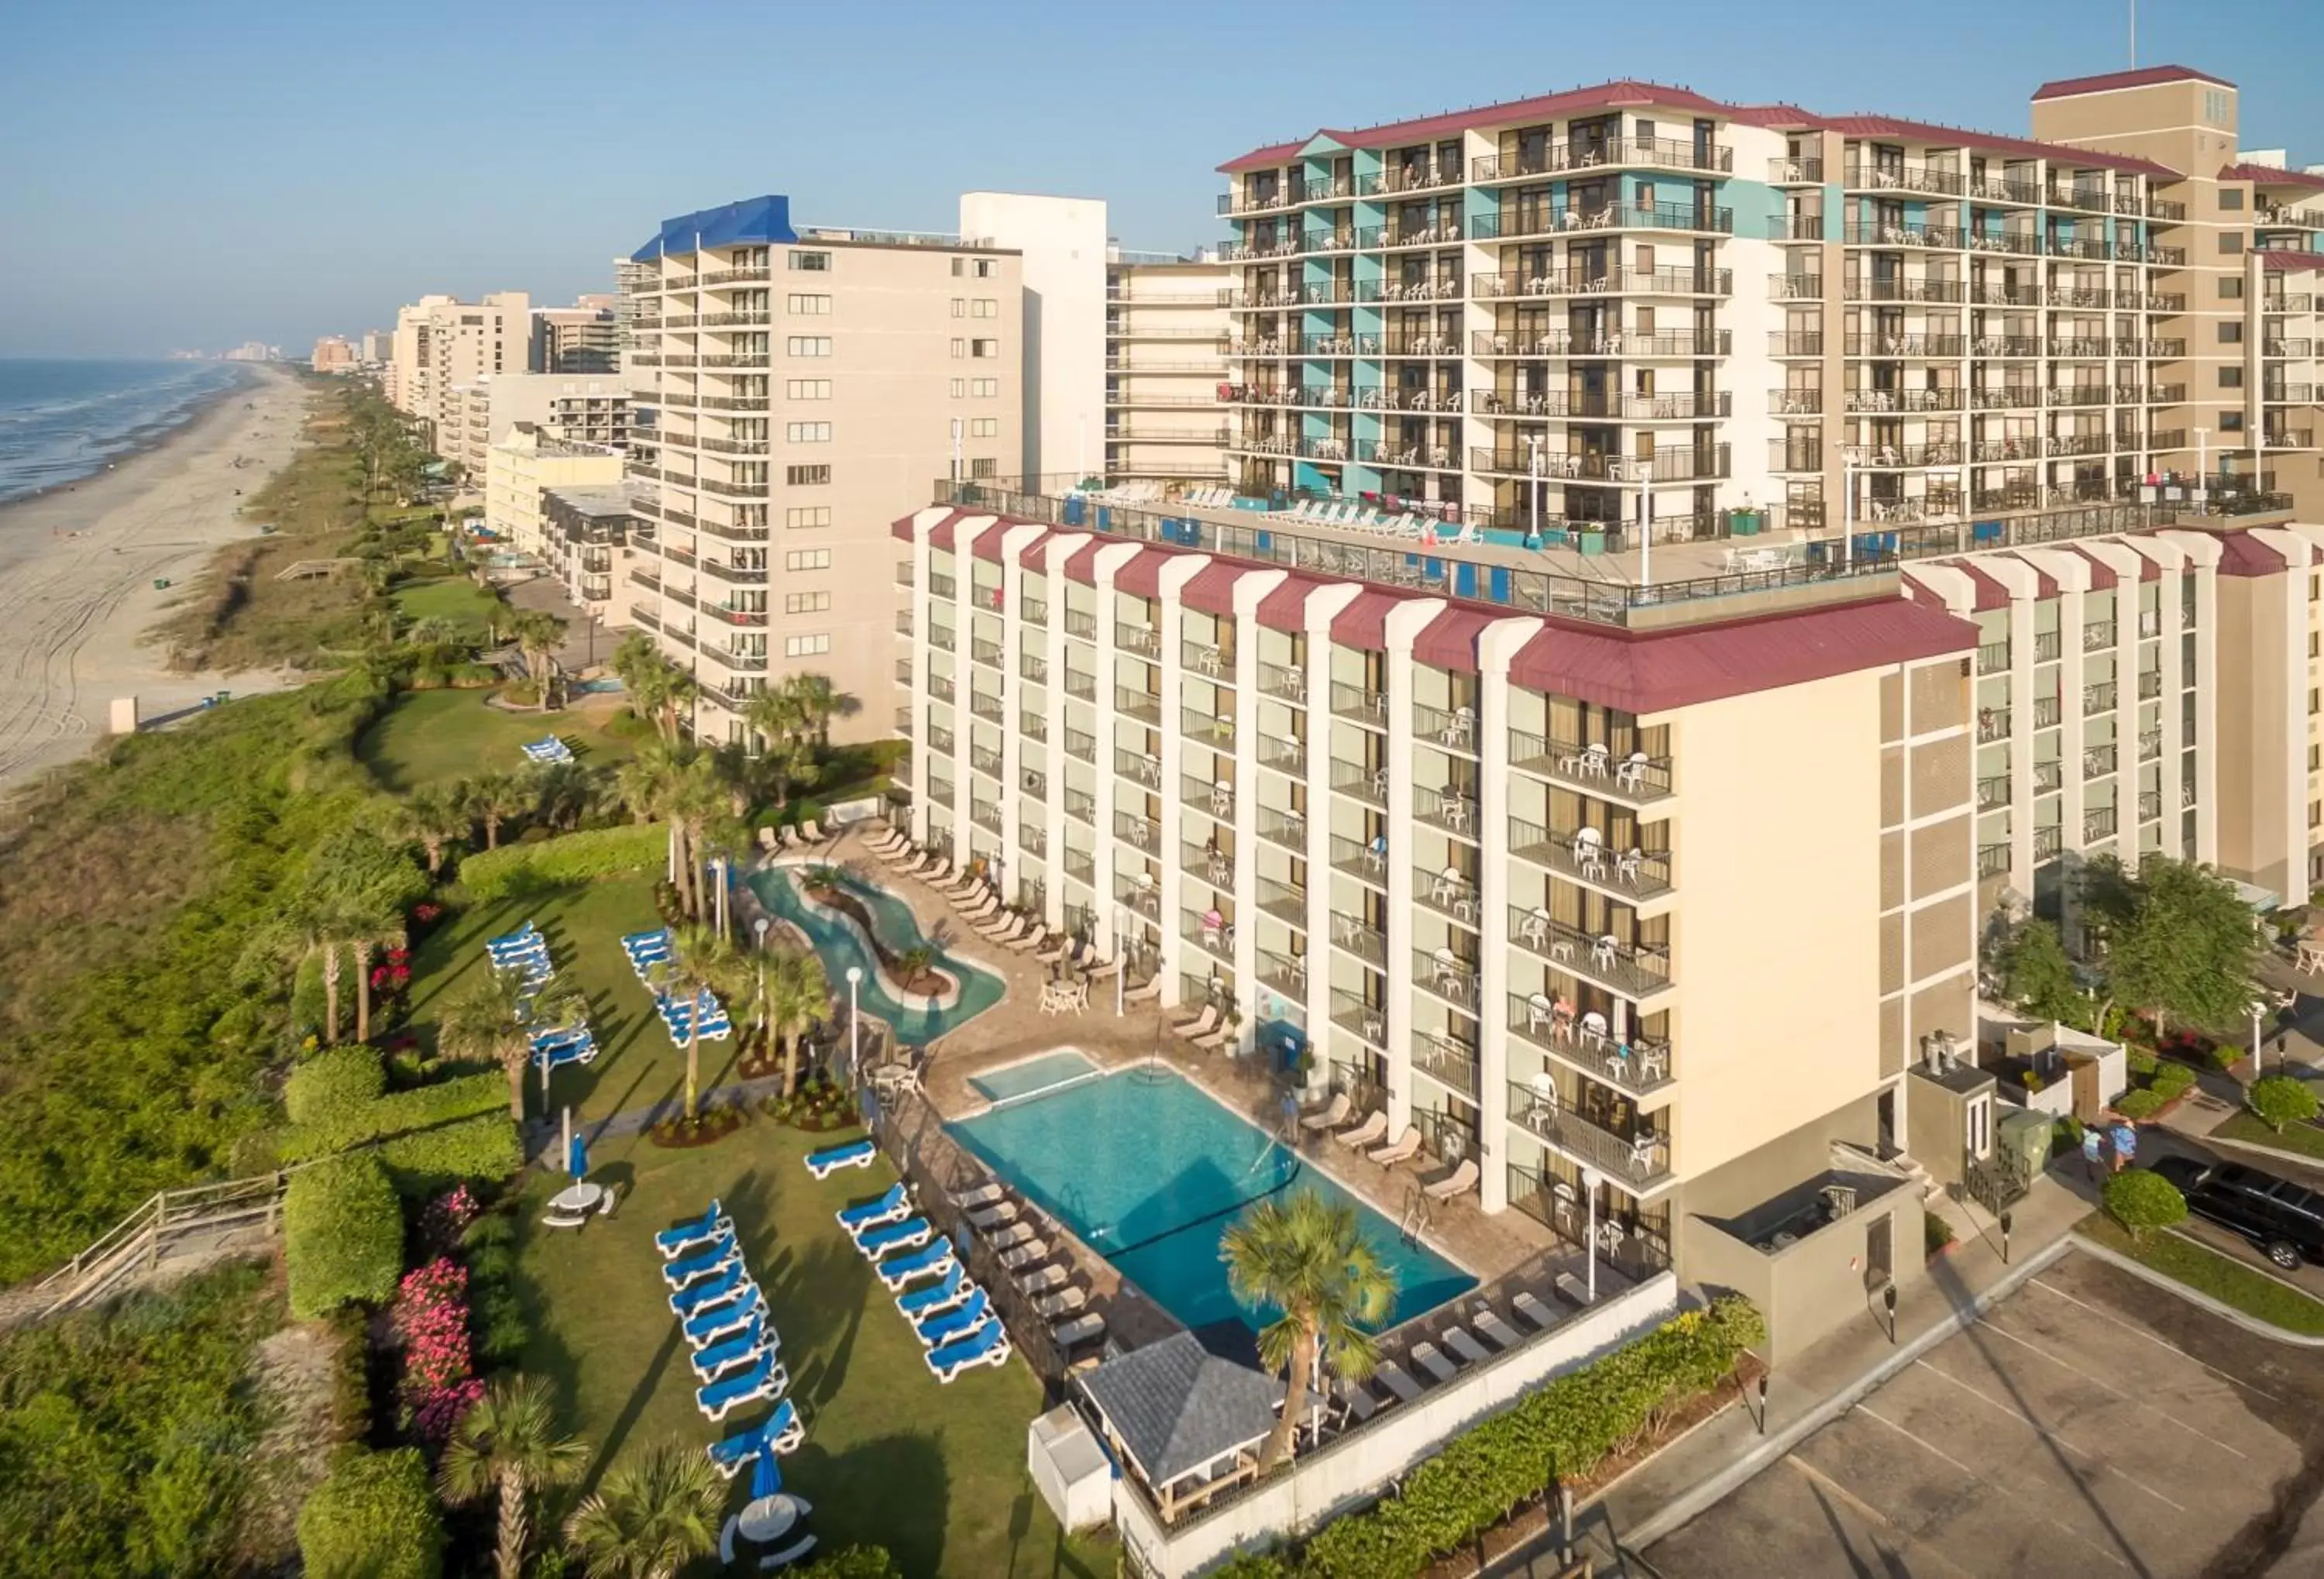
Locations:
(766, 1475)
(577, 1156)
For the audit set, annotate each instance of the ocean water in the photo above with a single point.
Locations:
(63, 421)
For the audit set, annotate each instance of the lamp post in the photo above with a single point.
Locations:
(2257, 1008)
(2202, 461)
(1848, 454)
(854, 1021)
(1125, 929)
(1590, 1247)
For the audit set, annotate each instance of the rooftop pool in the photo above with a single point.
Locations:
(1148, 1170)
(838, 948)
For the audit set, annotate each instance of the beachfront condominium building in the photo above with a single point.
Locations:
(1659, 902)
(521, 465)
(581, 338)
(1167, 331)
(574, 408)
(332, 353)
(378, 347)
(442, 344)
(1061, 247)
(804, 386)
(586, 528)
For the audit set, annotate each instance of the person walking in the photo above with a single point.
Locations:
(2093, 1146)
(2126, 1146)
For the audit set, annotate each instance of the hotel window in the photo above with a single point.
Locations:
(2231, 421)
(2215, 107)
(814, 646)
(984, 428)
(983, 388)
(806, 603)
(2231, 333)
(807, 389)
(984, 468)
(986, 268)
(2231, 378)
(809, 344)
(2231, 200)
(985, 350)
(2231, 288)
(807, 559)
(807, 476)
(959, 388)
(984, 307)
(807, 306)
(810, 262)
(2231, 242)
(806, 432)
(958, 267)
(959, 348)
(807, 517)
(960, 307)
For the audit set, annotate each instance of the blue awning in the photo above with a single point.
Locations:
(752, 220)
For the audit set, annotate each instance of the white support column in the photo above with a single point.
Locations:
(1054, 550)
(923, 750)
(1323, 604)
(1172, 830)
(1105, 567)
(1016, 751)
(1496, 646)
(1247, 592)
(1405, 622)
(2200, 566)
(2018, 578)
(2072, 578)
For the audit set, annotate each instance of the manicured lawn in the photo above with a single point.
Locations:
(2222, 1277)
(636, 1064)
(2305, 1139)
(433, 737)
(933, 1473)
(469, 607)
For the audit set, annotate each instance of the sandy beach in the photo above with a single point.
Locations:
(78, 567)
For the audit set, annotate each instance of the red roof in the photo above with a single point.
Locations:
(988, 544)
(2045, 586)
(1632, 94)
(2242, 554)
(1142, 575)
(1450, 640)
(2102, 575)
(2286, 262)
(1990, 593)
(2114, 81)
(1081, 565)
(2272, 175)
(1364, 622)
(940, 535)
(1655, 671)
(1285, 608)
(1032, 557)
(1212, 590)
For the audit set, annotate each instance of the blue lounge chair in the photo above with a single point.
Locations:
(987, 1345)
(950, 1325)
(640, 939)
(778, 1433)
(875, 1242)
(580, 1052)
(765, 1378)
(559, 1038)
(728, 1352)
(723, 1321)
(530, 930)
(854, 1154)
(896, 1203)
(933, 1260)
(927, 1301)
(701, 1264)
(672, 1241)
(716, 1290)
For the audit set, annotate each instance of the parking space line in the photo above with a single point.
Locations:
(2227, 1376)
(2047, 1514)
(1874, 1516)
(2039, 1429)
(2100, 1381)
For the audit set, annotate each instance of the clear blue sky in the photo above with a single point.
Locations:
(202, 173)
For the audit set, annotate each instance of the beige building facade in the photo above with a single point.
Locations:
(521, 466)
(1166, 330)
(332, 355)
(443, 344)
(804, 386)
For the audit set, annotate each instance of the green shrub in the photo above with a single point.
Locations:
(2066, 1136)
(853, 1563)
(333, 1083)
(374, 1518)
(2142, 1060)
(2170, 1079)
(2139, 1104)
(2280, 1100)
(427, 1161)
(1562, 1431)
(1936, 1232)
(342, 1235)
(420, 1108)
(2142, 1201)
(521, 869)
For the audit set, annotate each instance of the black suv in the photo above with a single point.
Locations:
(2284, 1219)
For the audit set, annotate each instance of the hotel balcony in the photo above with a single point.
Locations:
(1215, 868)
(1082, 807)
(1284, 972)
(1613, 281)
(989, 707)
(1360, 1018)
(1446, 973)
(1033, 726)
(1666, 465)
(1360, 706)
(1449, 892)
(1602, 153)
(1705, 218)
(1690, 406)
(1368, 785)
(1633, 971)
(1642, 1066)
(1284, 755)
(1286, 901)
(1795, 172)
(1451, 1062)
(1633, 876)
(1890, 177)
(1561, 344)
(1790, 287)
(1080, 746)
(1366, 863)
(1140, 770)
(1638, 1162)
(1631, 779)
(1894, 347)
(1286, 830)
(1858, 288)
(1284, 683)
(1366, 943)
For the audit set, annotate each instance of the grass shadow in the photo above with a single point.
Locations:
(893, 1492)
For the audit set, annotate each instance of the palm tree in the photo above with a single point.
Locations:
(699, 800)
(495, 799)
(563, 791)
(653, 1516)
(818, 702)
(432, 818)
(700, 960)
(1308, 1258)
(382, 926)
(797, 998)
(539, 634)
(507, 1445)
(319, 926)
(492, 1018)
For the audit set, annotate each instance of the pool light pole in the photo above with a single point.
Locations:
(1589, 1245)
(854, 1021)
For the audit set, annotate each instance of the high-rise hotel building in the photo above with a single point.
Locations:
(796, 388)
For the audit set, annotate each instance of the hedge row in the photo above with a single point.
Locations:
(521, 869)
(373, 1517)
(338, 1119)
(342, 1235)
(427, 1161)
(1562, 1431)
(335, 1082)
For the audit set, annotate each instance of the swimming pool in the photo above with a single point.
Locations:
(1148, 1171)
(1014, 1082)
(898, 930)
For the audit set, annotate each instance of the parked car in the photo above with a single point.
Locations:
(2285, 1220)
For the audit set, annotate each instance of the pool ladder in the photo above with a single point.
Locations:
(1414, 1221)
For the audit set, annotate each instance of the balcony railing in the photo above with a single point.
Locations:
(1284, 901)
(1143, 770)
(1215, 730)
(1514, 222)
(1366, 943)
(1593, 154)
(1448, 974)
(1366, 784)
(1082, 807)
(1449, 891)
(1284, 972)
(1143, 705)
(1081, 745)
(1367, 862)
(1141, 831)
(2048, 841)
(1633, 971)
(984, 760)
(1641, 872)
(1638, 1161)
(1286, 829)
(1993, 860)
(1633, 777)
(1285, 756)
(1215, 867)
(1992, 792)
(1449, 1062)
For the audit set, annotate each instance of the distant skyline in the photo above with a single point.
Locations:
(201, 176)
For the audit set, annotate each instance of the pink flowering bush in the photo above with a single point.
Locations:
(445, 1218)
(431, 1317)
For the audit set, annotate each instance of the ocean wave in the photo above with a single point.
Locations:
(63, 421)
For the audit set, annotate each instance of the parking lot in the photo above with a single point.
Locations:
(2088, 1424)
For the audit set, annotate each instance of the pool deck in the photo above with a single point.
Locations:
(1504, 1247)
